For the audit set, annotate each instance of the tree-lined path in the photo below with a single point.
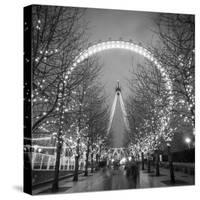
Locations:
(77, 84)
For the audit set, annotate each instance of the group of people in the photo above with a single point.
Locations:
(132, 169)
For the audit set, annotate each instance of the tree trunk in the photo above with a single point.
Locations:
(92, 162)
(148, 164)
(157, 163)
(57, 167)
(171, 167)
(76, 161)
(142, 161)
(92, 154)
(76, 168)
(97, 162)
(86, 161)
(100, 153)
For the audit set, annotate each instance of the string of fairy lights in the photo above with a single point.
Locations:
(189, 103)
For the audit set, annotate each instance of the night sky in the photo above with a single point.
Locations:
(112, 25)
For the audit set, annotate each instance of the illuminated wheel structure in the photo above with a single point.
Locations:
(140, 50)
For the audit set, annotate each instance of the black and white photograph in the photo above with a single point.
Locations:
(109, 99)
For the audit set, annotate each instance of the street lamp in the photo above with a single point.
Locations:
(188, 141)
(39, 150)
(171, 167)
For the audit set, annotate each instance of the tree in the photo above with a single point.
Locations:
(56, 38)
(177, 53)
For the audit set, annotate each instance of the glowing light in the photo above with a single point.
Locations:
(123, 160)
(39, 150)
(90, 52)
(54, 133)
(38, 27)
(187, 140)
(37, 59)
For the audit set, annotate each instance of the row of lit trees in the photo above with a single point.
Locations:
(67, 101)
(177, 54)
(56, 39)
(147, 110)
(147, 103)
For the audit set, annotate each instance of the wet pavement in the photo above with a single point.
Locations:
(110, 179)
(107, 179)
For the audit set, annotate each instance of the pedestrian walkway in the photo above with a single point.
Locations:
(109, 179)
(150, 180)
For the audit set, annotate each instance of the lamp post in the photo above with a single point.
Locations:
(188, 141)
(171, 167)
(157, 162)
